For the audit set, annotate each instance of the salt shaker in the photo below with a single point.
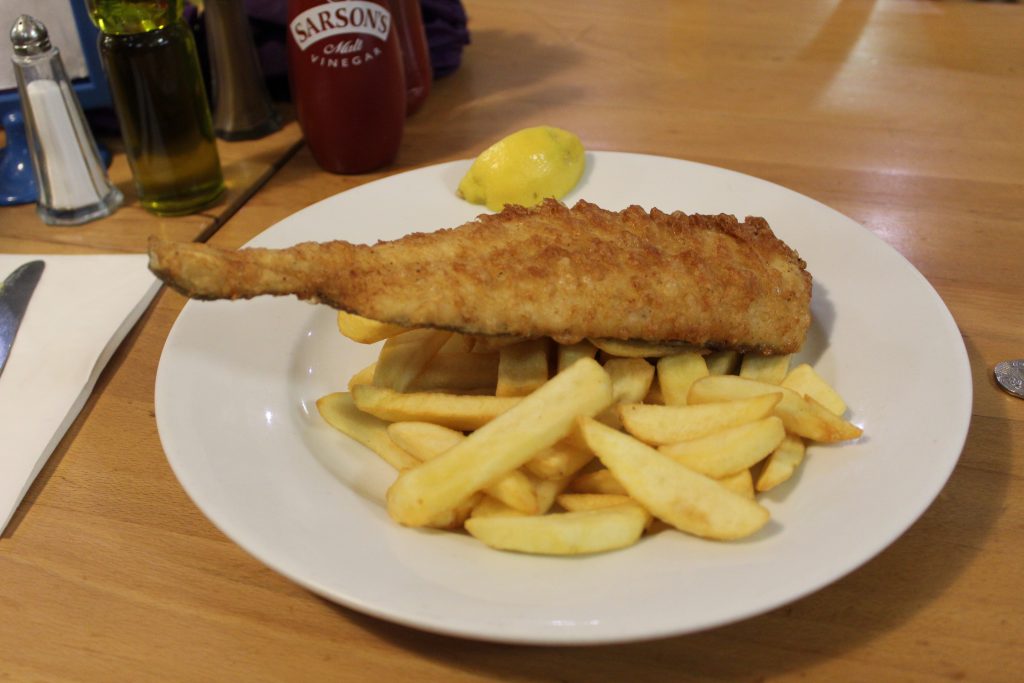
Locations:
(72, 181)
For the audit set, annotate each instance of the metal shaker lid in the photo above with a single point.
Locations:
(29, 36)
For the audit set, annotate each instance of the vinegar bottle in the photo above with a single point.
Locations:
(152, 65)
(415, 53)
(346, 74)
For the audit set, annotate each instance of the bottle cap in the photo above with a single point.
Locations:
(29, 36)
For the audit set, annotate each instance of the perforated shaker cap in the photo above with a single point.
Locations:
(29, 36)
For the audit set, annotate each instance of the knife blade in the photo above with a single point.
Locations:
(15, 293)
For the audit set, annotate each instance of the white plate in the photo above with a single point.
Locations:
(237, 382)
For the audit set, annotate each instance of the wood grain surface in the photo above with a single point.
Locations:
(246, 167)
(906, 116)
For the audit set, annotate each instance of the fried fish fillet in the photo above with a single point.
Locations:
(566, 273)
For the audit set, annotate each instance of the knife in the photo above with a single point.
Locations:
(15, 293)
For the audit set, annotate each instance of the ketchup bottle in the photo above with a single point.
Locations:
(347, 80)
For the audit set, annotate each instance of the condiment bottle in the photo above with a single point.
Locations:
(346, 74)
(152, 66)
(415, 54)
(72, 183)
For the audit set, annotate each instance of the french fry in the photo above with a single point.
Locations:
(340, 411)
(565, 533)
(769, 369)
(563, 459)
(364, 376)
(457, 516)
(639, 349)
(491, 507)
(364, 330)
(676, 373)
(458, 343)
(575, 502)
(722, 362)
(631, 378)
(405, 355)
(729, 451)
(801, 416)
(426, 441)
(580, 502)
(804, 380)
(517, 490)
(448, 371)
(654, 396)
(701, 443)
(458, 371)
(631, 382)
(672, 492)
(482, 344)
(741, 482)
(833, 428)
(598, 481)
(657, 425)
(781, 464)
(507, 442)
(547, 491)
(423, 440)
(522, 367)
(719, 388)
(567, 354)
(454, 411)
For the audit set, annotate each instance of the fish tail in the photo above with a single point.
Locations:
(200, 271)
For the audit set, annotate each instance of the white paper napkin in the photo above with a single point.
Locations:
(81, 310)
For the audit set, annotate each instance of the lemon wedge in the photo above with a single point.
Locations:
(525, 168)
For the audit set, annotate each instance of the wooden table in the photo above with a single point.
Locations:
(246, 167)
(904, 115)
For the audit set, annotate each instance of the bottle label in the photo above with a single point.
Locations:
(349, 19)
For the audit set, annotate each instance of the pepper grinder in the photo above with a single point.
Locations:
(72, 181)
(241, 103)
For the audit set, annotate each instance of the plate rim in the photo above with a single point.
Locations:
(564, 637)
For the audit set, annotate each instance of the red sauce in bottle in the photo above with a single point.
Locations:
(347, 80)
(415, 53)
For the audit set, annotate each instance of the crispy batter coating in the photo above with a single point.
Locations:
(545, 271)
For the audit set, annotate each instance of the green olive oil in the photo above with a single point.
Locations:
(152, 65)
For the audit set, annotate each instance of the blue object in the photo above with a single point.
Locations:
(93, 92)
(17, 177)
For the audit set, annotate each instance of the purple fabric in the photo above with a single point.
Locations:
(274, 11)
(447, 32)
(268, 19)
